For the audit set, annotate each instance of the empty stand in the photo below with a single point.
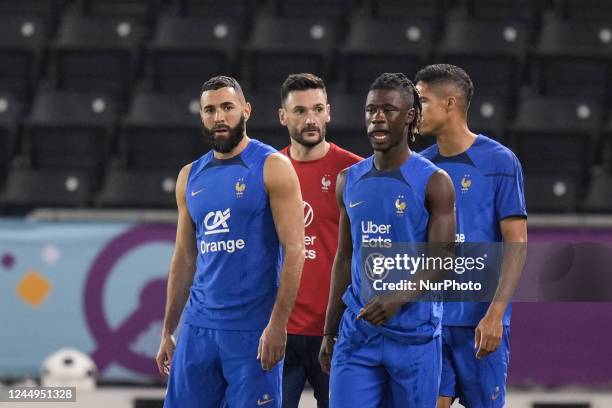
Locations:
(585, 10)
(162, 131)
(27, 189)
(599, 193)
(428, 9)
(142, 10)
(92, 53)
(239, 10)
(573, 59)
(549, 193)
(555, 135)
(527, 12)
(488, 115)
(333, 9)
(137, 188)
(70, 130)
(187, 51)
(393, 45)
(347, 127)
(281, 46)
(21, 45)
(264, 123)
(491, 52)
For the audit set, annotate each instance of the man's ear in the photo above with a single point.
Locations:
(328, 113)
(247, 111)
(451, 103)
(282, 116)
(410, 116)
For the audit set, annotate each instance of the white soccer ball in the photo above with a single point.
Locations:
(69, 368)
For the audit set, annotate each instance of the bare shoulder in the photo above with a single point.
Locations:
(278, 170)
(181, 181)
(440, 187)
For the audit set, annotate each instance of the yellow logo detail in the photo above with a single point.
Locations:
(240, 187)
(466, 183)
(400, 205)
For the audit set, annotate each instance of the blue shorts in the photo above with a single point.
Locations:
(477, 383)
(370, 370)
(214, 367)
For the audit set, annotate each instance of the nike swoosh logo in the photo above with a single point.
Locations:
(351, 205)
(195, 193)
(264, 402)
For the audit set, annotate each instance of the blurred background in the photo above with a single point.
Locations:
(99, 105)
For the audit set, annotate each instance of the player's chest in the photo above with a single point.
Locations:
(318, 190)
(241, 192)
(383, 201)
(473, 189)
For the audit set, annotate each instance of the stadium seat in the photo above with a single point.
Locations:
(550, 193)
(426, 9)
(395, 45)
(241, 11)
(94, 53)
(598, 196)
(264, 123)
(45, 11)
(573, 59)
(585, 10)
(347, 127)
(162, 131)
(187, 51)
(27, 189)
(21, 44)
(137, 189)
(487, 115)
(333, 9)
(553, 135)
(70, 130)
(10, 110)
(492, 53)
(282, 46)
(143, 10)
(528, 12)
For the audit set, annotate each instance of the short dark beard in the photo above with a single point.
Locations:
(224, 146)
(300, 139)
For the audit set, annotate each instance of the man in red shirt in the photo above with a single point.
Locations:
(305, 112)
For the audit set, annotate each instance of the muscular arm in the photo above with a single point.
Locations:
(180, 276)
(440, 201)
(340, 280)
(514, 233)
(287, 209)
(182, 265)
(341, 269)
(490, 329)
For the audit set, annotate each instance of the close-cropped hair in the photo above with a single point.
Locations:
(442, 74)
(300, 82)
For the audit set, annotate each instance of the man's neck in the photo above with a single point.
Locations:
(235, 151)
(455, 140)
(299, 152)
(393, 158)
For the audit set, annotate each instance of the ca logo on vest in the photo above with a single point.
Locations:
(215, 222)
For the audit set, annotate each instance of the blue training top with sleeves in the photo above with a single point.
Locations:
(389, 206)
(239, 258)
(488, 181)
